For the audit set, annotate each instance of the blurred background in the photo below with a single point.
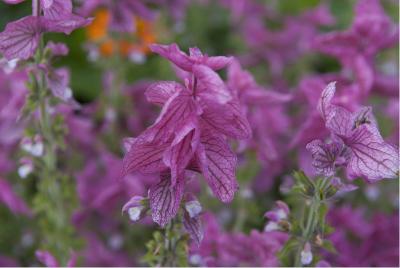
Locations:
(105, 237)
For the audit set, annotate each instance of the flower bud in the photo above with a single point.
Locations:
(34, 147)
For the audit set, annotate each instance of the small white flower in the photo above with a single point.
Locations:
(193, 208)
(281, 214)
(372, 192)
(134, 213)
(25, 170)
(306, 255)
(67, 93)
(271, 226)
(37, 149)
(137, 57)
(34, 148)
(116, 241)
(195, 259)
(93, 54)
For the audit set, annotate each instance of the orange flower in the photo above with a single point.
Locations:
(97, 32)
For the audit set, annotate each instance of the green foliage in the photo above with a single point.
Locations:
(311, 226)
(169, 248)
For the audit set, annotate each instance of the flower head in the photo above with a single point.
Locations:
(370, 157)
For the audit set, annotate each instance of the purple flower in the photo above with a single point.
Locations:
(277, 217)
(190, 133)
(362, 240)
(372, 31)
(220, 248)
(370, 156)
(327, 157)
(134, 207)
(260, 105)
(20, 38)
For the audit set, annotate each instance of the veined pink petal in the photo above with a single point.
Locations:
(145, 157)
(194, 227)
(177, 111)
(160, 92)
(66, 24)
(372, 158)
(174, 54)
(56, 9)
(165, 199)
(339, 121)
(212, 86)
(181, 151)
(327, 156)
(324, 104)
(227, 119)
(218, 163)
(21, 38)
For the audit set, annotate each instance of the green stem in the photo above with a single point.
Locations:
(53, 215)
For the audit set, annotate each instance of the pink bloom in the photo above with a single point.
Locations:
(20, 38)
(190, 133)
(370, 156)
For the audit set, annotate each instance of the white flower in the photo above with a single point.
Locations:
(306, 255)
(271, 226)
(193, 208)
(134, 213)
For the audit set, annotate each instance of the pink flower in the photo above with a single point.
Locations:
(20, 38)
(370, 156)
(190, 133)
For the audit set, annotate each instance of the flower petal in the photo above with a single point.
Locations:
(218, 163)
(212, 86)
(194, 227)
(227, 119)
(173, 54)
(182, 149)
(57, 9)
(165, 199)
(66, 24)
(177, 111)
(160, 92)
(324, 104)
(145, 157)
(326, 156)
(20, 38)
(372, 158)
(218, 62)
